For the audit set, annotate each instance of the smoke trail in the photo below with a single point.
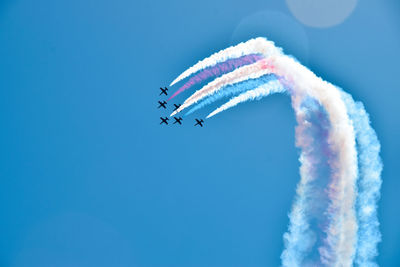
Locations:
(330, 224)
(341, 232)
(253, 46)
(254, 94)
(339, 247)
(310, 203)
(217, 70)
(232, 89)
(369, 183)
(252, 71)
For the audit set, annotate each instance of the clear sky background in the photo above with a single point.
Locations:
(88, 177)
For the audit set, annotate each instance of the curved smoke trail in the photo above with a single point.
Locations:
(217, 70)
(333, 221)
(232, 89)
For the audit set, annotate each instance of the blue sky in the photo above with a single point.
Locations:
(89, 178)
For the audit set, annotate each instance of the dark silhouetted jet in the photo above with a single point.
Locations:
(199, 122)
(176, 106)
(162, 104)
(178, 120)
(164, 91)
(164, 120)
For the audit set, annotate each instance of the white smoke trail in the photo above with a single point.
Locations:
(253, 46)
(261, 91)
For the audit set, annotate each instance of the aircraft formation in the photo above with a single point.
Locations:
(177, 120)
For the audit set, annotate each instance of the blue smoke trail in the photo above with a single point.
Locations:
(369, 183)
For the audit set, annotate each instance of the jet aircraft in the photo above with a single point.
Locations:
(176, 106)
(178, 120)
(164, 91)
(162, 104)
(199, 122)
(164, 120)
